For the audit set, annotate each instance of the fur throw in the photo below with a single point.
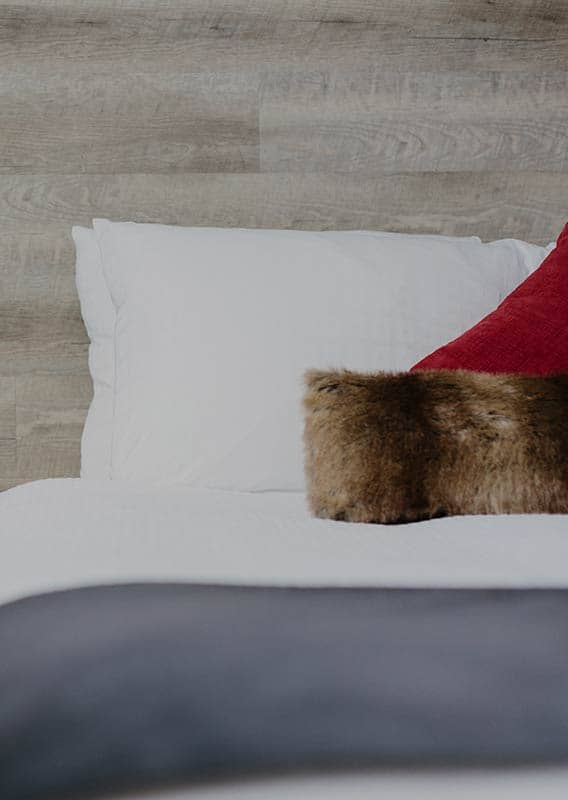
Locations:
(412, 446)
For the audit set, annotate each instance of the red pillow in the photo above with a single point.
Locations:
(527, 333)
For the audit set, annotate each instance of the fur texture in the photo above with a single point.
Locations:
(413, 446)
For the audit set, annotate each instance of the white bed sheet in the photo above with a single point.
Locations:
(522, 783)
(63, 533)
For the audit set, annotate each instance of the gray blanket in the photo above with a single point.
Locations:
(127, 686)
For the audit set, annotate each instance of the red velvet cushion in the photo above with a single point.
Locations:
(527, 333)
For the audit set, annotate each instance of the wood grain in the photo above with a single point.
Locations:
(36, 267)
(529, 205)
(286, 46)
(52, 406)
(532, 19)
(7, 408)
(445, 116)
(40, 457)
(7, 426)
(51, 410)
(169, 122)
(40, 322)
(384, 123)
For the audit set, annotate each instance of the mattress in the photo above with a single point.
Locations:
(66, 533)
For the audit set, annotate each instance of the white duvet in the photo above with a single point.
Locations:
(61, 533)
(64, 533)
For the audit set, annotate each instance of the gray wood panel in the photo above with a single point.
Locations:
(417, 115)
(166, 122)
(7, 426)
(86, 49)
(382, 122)
(530, 204)
(51, 409)
(521, 19)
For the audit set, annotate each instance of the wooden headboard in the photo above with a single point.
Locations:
(411, 115)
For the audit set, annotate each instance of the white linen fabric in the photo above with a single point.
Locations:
(99, 317)
(503, 783)
(60, 533)
(215, 327)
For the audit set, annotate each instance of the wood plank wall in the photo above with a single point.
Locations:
(413, 115)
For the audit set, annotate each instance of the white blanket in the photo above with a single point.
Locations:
(62, 533)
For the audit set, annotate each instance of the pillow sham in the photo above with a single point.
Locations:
(214, 328)
(527, 333)
(99, 317)
(413, 446)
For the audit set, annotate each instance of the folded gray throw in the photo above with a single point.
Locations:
(130, 686)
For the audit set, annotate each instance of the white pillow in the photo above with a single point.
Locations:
(99, 316)
(214, 328)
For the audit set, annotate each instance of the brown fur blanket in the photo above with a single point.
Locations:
(406, 447)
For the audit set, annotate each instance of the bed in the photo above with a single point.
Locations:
(322, 116)
(97, 574)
